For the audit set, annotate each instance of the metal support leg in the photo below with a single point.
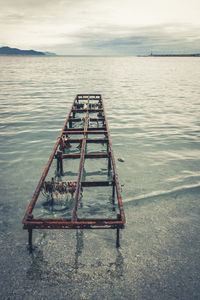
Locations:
(30, 235)
(117, 239)
(113, 198)
(107, 146)
(113, 190)
(61, 166)
(109, 163)
(113, 193)
(58, 165)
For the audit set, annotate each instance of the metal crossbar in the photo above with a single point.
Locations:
(81, 114)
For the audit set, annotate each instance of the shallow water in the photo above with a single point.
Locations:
(153, 109)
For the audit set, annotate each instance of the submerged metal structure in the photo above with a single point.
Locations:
(86, 123)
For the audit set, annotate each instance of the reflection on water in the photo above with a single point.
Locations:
(37, 267)
(79, 246)
(40, 268)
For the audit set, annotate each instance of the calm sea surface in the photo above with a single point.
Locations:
(153, 110)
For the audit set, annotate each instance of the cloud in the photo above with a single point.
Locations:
(103, 27)
(174, 38)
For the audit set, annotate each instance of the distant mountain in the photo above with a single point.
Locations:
(15, 51)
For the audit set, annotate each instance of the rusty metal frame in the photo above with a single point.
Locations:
(29, 221)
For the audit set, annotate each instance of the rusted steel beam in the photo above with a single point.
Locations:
(77, 226)
(91, 183)
(79, 110)
(80, 173)
(88, 155)
(68, 220)
(88, 132)
(66, 132)
(91, 119)
(79, 221)
(97, 183)
(97, 128)
(120, 205)
(75, 129)
(89, 141)
(96, 96)
(89, 223)
(88, 129)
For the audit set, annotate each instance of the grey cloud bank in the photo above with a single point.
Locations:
(89, 27)
(134, 41)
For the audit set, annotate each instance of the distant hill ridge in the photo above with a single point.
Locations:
(176, 55)
(15, 51)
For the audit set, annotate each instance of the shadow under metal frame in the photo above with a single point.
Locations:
(81, 104)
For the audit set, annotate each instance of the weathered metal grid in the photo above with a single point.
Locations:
(84, 104)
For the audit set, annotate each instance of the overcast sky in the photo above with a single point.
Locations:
(101, 27)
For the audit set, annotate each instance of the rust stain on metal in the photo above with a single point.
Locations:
(86, 105)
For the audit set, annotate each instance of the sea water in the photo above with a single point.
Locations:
(153, 109)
